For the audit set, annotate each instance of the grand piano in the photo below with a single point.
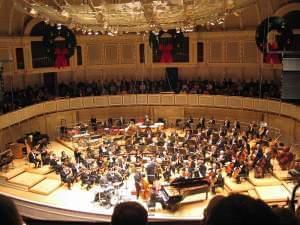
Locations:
(171, 195)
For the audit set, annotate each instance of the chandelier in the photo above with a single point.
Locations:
(115, 17)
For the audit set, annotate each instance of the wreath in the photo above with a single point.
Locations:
(49, 40)
(156, 40)
(283, 36)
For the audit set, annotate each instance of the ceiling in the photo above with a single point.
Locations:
(13, 21)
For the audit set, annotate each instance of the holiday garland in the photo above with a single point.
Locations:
(52, 33)
(156, 40)
(273, 24)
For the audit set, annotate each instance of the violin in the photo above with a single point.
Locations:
(229, 168)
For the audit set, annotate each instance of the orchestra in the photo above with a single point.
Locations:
(107, 154)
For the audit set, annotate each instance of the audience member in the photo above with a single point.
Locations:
(286, 217)
(129, 213)
(8, 212)
(237, 209)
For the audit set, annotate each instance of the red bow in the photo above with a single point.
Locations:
(61, 57)
(166, 55)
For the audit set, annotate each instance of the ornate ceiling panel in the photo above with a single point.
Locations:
(121, 16)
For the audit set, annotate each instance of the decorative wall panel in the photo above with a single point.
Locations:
(216, 51)
(128, 54)
(111, 54)
(250, 52)
(233, 52)
(95, 54)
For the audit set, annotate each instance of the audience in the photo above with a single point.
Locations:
(237, 209)
(286, 217)
(129, 213)
(8, 212)
(32, 95)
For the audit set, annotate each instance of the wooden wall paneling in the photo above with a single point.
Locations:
(101, 101)
(234, 102)
(88, 102)
(153, 99)
(115, 100)
(128, 54)
(111, 54)
(216, 51)
(141, 99)
(40, 109)
(298, 113)
(14, 117)
(248, 103)
(250, 52)
(288, 109)
(5, 55)
(76, 103)
(193, 100)
(94, 54)
(297, 132)
(206, 100)
(63, 105)
(167, 99)
(233, 52)
(5, 138)
(129, 100)
(220, 101)
(4, 122)
(55, 120)
(260, 104)
(26, 113)
(171, 113)
(181, 99)
(285, 125)
(274, 106)
(50, 106)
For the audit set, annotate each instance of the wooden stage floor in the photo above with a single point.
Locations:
(77, 204)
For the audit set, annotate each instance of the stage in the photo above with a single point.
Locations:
(53, 201)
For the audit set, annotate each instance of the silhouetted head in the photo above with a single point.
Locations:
(128, 213)
(237, 209)
(8, 212)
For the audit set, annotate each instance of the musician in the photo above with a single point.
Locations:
(188, 123)
(217, 181)
(202, 169)
(147, 121)
(201, 123)
(150, 170)
(77, 155)
(93, 122)
(242, 172)
(66, 176)
(227, 124)
(137, 182)
(86, 179)
(64, 157)
(212, 122)
(236, 125)
(33, 158)
(263, 130)
(55, 163)
(121, 122)
(44, 153)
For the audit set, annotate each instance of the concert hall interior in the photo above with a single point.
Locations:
(175, 111)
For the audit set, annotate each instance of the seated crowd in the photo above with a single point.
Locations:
(235, 209)
(32, 95)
